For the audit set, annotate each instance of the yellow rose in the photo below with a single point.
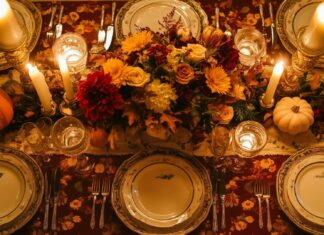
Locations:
(184, 73)
(174, 57)
(135, 76)
(184, 34)
(197, 52)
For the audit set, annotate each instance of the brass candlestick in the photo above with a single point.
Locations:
(69, 107)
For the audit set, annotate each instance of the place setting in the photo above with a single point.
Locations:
(161, 117)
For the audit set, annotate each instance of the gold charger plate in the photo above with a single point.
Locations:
(161, 192)
(22, 180)
(136, 14)
(300, 183)
(26, 13)
(291, 16)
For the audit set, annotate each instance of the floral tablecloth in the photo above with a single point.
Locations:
(75, 198)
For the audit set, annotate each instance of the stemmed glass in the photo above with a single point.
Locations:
(220, 140)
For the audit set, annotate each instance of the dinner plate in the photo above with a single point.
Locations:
(291, 16)
(137, 14)
(300, 183)
(22, 181)
(27, 14)
(161, 192)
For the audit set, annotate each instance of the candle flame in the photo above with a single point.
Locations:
(4, 8)
(29, 66)
(320, 12)
(279, 68)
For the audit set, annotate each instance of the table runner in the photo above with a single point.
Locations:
(75, 200)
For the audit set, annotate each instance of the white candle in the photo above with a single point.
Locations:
(11, 32)
(41, 88)
(273, 83)
(313, 37)
(68, 85)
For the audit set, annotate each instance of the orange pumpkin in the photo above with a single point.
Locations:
(98, 137)
(6, 109)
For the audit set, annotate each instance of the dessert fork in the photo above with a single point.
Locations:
(95, 193)
(257, 188)
(266, 196)
(105, 191)
(50, 33)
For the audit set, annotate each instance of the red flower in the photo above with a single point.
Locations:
(159, 53)
(228, 55)
(98, 98)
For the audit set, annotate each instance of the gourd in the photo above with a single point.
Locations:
(293, 115)
(6, 109)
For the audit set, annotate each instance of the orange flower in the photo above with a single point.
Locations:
(257, 3)
(115, 67)
(76, 219)
(240, 225)
(231, 199)
(266, 163)
(247, 205)
(137, 42)
(217, 80)
(99, 168)
(76, 204)
(74, 16)
(315, 81)
(231, 185)
(249, 219)
(184, 73)
(67, 225)
(72, 161)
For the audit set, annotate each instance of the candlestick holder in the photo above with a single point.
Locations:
(264, 105)
(50, 113)
(69, 107)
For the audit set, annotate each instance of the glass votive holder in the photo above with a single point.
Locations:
(249, 138)
(69, 135)
(251, 45)
(74, 50)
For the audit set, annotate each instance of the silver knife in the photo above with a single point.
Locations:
(264, 32)
(217, 17)
(59, 26)
(110, 29)
(274, 37)
(56, 189)
(222, 193)
(47, 197)
(215, 198)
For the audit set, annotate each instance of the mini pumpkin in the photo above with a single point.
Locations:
(293, 115)
(6, 109)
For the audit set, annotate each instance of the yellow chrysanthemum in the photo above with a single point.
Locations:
(136, 42)
(115, 68)
(217, 80)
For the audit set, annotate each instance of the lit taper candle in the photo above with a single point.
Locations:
(273, 83)
(11, 33)
(41, 88)
(68, 85)
(313, 37)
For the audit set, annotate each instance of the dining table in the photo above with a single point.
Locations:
(75, 197)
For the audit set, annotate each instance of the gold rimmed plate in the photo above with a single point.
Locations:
(22, 181)
(292, 15)
(161, 192)
(300, 183)
(27, 14)
(137, 14)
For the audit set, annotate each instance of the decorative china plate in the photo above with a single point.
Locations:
(136, 14)
(300, 189)
(161, 192)
(21, 187)
(26, 13)
(291, 16)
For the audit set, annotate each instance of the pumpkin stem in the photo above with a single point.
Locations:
(295, 108)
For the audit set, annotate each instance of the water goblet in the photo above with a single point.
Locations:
(220, 140)
(32, 135)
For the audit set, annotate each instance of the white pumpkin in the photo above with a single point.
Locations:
(293, 115)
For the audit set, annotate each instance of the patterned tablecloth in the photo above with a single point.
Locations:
(75, 197)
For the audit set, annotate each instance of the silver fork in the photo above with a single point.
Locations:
(95, 193)
(50, 33)
(257, 188)
(102, 32)
(59, 26)
(266, 196)
(105, 191)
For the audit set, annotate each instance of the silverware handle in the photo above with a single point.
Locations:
(217, 17)
(261, 14)
(54, 225)
(215, 222)
(102, 213)
(102, 16)
(52, 16)
(271, 11)
(223, 222)
(269, 224)
(61, 13)
(93, 214)
(260, 213)
(113, 9)
(45, 222)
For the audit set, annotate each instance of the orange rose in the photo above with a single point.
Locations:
(184, 73)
